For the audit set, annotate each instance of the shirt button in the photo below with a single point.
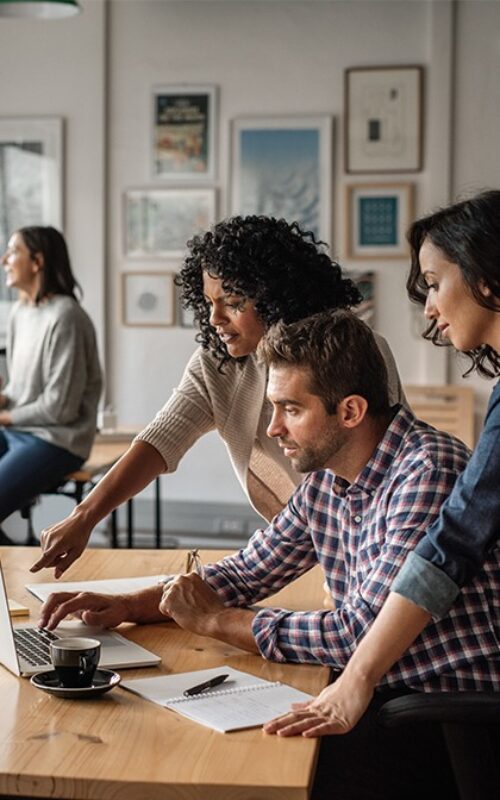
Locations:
(357, 518)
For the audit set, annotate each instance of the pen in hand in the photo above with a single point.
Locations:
(193, 564)
(201, 687)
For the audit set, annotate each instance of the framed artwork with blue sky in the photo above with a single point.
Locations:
(378, 216)
(282, 167)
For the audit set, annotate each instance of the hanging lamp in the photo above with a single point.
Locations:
(39, 9)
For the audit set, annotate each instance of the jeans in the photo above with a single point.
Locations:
(29, 466)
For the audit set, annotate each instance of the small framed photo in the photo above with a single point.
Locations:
(282, 167)
(183, 141)
(148, 299)
(378, 216)
(383, 119)
(159, 222)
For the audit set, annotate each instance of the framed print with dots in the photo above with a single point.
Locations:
(378, 216)
(148, 299)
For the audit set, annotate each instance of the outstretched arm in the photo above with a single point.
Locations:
(340, 706)
(65, 541)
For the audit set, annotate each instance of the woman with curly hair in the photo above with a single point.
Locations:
(239, 278)
(455, 275)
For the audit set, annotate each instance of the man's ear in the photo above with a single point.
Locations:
(352, 410)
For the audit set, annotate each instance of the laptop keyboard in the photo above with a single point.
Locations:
(33, 645)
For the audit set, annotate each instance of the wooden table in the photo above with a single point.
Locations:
(121, 746)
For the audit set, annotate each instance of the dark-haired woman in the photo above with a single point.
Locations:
(239, 278)
(48, 408)
(455, 274)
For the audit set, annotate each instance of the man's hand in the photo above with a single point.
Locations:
(336, 710)
(104, 610)
(5, 418)
(191, 603)
(62, 544)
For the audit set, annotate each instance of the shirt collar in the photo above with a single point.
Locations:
(382, 459)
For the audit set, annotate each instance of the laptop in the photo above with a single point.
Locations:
(24, 648)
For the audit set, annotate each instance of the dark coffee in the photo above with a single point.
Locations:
(75, 661)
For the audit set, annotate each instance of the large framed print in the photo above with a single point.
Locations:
(30, 181)
(159, 222)
(282, 167)
(148, 299)
(183, 146)
(378, 216)
(383, 119)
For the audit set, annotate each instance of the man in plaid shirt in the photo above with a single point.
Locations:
(377, 478)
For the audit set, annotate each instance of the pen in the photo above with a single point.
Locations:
(193, 563)
(207, 685)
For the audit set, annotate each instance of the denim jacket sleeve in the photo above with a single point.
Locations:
(455, 547)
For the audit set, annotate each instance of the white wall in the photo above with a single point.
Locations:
(266, 58)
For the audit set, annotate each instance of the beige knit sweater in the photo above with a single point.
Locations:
(234, 403)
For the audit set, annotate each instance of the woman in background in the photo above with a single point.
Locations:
(239, 278)
(48, 407)
(455, 274)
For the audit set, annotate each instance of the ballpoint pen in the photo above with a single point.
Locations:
(201, 687)
(193, 564)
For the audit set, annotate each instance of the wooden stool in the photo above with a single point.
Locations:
(106, 451)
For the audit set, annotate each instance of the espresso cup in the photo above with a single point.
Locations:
(75, 660)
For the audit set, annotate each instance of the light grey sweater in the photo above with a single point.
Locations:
(54, 374)
(234, 403)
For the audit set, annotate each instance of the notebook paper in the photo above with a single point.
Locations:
(242, 701)
(108, 586)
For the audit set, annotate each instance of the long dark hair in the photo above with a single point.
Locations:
(56, 276)
(276, 264)
(468, 233)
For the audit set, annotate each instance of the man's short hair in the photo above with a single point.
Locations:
(341, 353)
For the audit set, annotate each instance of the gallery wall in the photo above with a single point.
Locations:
(97, 72)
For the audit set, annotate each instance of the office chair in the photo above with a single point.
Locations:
(470, 722)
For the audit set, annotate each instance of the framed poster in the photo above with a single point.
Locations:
(148, 299)
(282, 167)
(383, 119)
(30, 179)
(183, 141)
(378, 216)
(159, 222)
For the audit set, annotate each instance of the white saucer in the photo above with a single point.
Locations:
(103, 681)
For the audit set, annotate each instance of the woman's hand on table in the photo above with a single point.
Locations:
(336, 710)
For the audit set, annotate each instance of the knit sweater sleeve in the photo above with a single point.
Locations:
(189, 412)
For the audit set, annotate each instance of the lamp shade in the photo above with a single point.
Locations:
(39, 9)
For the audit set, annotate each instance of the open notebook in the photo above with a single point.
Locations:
(243, 701)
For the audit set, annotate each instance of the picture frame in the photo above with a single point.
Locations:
(282, 167)
(383, 119)
(31, 180)
(148, 299)
(159, 222)
(378, 216)
(183, 132)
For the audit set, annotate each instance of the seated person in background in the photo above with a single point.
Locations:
(239, 278)
(382, 478)
(455, 274)
(48, 408)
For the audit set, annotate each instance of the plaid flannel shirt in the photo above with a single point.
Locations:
(361, 533)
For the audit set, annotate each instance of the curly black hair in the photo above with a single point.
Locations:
(468, 233)
(280, 267)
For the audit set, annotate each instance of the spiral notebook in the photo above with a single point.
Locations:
(258, 700)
